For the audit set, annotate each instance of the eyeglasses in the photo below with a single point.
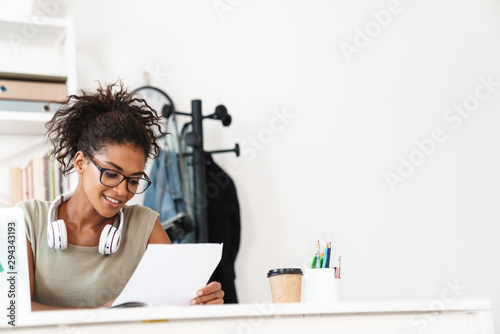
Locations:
(112, 178)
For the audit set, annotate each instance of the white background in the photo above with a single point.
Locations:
(322, 175)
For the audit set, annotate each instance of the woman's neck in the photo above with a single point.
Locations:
(78, 213)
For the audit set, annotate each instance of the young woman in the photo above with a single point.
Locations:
(84, 247)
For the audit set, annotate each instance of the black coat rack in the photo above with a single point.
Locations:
(195, 140)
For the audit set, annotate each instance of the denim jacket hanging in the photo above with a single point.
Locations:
(165, 195)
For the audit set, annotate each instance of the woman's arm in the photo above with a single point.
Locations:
(158, 235)
(31, 268)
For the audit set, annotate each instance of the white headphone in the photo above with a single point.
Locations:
(57, 235)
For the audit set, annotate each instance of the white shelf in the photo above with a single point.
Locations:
(33, 30)
(44, 46)
(34, 48)
(23, 122)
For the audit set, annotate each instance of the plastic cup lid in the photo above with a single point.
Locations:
(282, 271)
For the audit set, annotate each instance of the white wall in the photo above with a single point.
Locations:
(321, 175)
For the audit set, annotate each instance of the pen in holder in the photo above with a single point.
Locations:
(320, 285)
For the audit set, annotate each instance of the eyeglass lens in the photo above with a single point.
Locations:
(134, 184)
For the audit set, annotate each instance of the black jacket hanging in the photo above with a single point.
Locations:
(223, 215)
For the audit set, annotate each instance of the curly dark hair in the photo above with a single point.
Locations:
(89, 121)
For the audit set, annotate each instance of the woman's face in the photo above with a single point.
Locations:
(127, 159)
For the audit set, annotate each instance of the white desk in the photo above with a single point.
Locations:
(398, 317)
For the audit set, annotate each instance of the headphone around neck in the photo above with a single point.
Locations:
(57, 235)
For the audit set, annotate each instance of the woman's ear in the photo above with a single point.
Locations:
(79, 162)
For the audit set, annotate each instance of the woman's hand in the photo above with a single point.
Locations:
(211, 294)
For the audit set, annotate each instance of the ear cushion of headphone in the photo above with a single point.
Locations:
(57, 235)
(104, 237)
(110, 240)
(51, 237)
(63, 234)
(113, 240)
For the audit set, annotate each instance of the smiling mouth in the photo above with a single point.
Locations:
(112, 200)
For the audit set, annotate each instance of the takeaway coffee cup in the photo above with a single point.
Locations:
(285, 284)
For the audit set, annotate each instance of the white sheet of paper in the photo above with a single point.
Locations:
(171, 274)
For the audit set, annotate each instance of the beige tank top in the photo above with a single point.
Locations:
(81, 276)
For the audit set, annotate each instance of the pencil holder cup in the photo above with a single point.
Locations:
(320, 286)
